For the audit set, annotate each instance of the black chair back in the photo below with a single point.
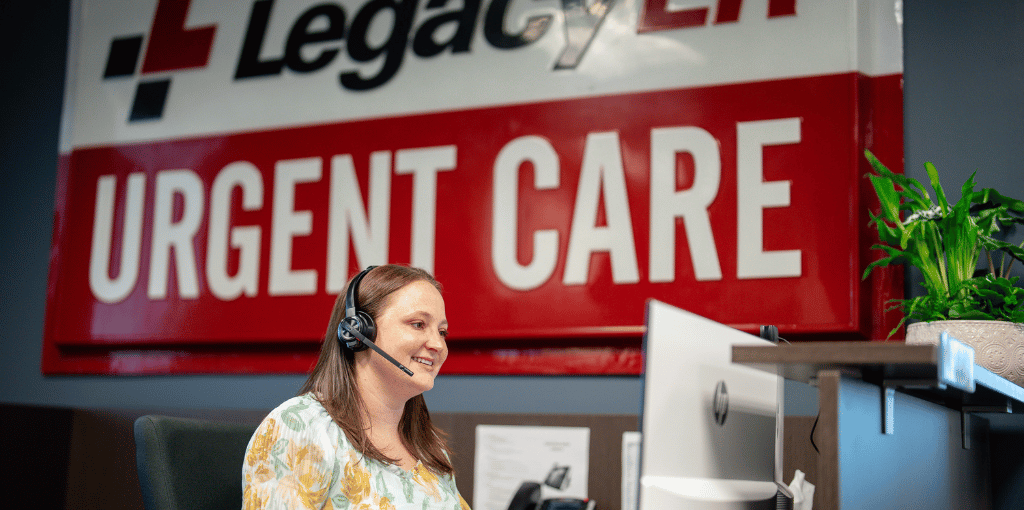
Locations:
(189, 464)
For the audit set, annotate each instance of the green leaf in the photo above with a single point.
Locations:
(933, 177)
(995, 244)
(888, 198)
(988, 220)
(878, 263)
(911, 185)
(989, 195)
(886, 234)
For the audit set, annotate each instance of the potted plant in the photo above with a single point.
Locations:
(946, 242)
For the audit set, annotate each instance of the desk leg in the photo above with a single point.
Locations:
(826, 437)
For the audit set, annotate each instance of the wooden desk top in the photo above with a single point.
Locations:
(913, 369)
(873, 361)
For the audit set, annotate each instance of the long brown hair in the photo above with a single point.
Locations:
(333, 380)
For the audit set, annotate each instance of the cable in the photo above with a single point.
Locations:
(814, 426)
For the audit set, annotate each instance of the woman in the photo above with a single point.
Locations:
(359, 436)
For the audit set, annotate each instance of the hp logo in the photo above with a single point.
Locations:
(720, 406)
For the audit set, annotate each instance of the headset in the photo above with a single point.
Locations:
(357, 330)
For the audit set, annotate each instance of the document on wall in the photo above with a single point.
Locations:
(554, 458)
(630, 470)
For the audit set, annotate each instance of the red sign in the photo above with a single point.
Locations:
(225, 171)
(543, 221)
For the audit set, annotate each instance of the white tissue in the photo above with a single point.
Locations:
(803, 492)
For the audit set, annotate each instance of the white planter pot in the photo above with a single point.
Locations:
(998, 345)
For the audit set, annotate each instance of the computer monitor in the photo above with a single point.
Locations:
(711, 429)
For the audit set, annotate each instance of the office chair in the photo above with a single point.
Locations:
(188, 464)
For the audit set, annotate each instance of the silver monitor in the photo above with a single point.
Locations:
(711, 429)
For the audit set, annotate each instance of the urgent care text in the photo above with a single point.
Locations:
(180, 207)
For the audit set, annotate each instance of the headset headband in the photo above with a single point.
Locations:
(353, 289)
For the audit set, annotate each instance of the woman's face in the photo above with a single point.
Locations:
(412, 328)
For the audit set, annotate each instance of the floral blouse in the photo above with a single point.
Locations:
(300, 459)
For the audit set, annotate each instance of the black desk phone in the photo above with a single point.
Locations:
(528, 496)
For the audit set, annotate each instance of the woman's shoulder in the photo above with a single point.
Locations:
(306, 404)
(292, 456)
(302, 415)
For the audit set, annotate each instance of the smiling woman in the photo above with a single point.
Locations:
(359, 418)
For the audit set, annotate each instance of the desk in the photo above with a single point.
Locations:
(889, 433)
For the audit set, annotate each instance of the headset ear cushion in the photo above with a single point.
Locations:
(366, 326)
(360, 323)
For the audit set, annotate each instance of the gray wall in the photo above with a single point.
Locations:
(963, 76)
(962, 95)
(963, 83)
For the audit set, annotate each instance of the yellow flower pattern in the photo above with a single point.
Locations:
(355, 485)
(427, 481)
(299, 459)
